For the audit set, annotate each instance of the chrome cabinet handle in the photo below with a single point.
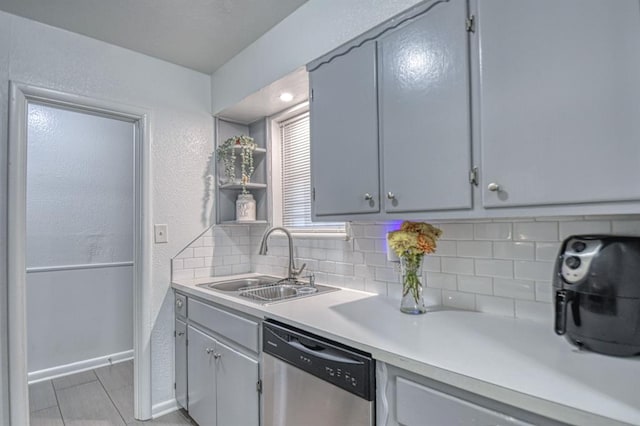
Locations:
(368, 197)
(180, 333)
(493, 187)
(179, 303)
(391, 195)
(217, 356)
(209, 351)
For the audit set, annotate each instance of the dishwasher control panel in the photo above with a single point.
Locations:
(344, 367)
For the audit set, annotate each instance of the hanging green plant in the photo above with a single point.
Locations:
(226, 153)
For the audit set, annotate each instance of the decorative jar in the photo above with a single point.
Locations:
(245, 208)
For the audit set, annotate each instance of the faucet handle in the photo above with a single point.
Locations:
(299, 271)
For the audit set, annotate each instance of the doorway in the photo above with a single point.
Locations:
(51, 249)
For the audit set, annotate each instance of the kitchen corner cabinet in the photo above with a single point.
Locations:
(390, 117)
(227, 193)
(559, 102)
(220, 359)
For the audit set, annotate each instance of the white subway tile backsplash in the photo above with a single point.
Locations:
(547, 251)
(459, 300)
(514, 251)
(456, 231)
(626, 227)
(502, 267)
(445, 248)
(535, 231)
(584, 227)
(479, 285)
(431, 264)
(494, 268)
(492, 231)
(541, 271)
(536, 311)
(515, 289)
(439, 280)
(475, 249)
(456, 265)
(194, 262)
(495, 305)
(544, 291)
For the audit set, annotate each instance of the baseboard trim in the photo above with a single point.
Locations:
(78, 367)
(163, 408)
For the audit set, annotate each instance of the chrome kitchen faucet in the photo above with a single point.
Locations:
(293, 272)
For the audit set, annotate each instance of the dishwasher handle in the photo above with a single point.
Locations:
(323, 353)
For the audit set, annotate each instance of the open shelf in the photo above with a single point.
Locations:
(236, 186)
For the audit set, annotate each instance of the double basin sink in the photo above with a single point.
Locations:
(266, 289)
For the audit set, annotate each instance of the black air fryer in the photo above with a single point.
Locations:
(597, 287)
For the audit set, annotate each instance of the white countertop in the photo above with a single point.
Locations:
(518, 362)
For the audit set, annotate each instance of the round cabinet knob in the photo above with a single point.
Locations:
(391, 195)
(493, 187)
(217, 356)
(368, 197)
(179, 303)
(209, 351)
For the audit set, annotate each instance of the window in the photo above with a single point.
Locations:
(295, 176)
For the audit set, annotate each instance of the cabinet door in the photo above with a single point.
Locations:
(181, 363)
(202, 378)
(425, 126)
(559, 101)
(237, 378)
(344, 135)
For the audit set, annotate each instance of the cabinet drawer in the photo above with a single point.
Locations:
(180, 306)
(418, 405)
(231, 326)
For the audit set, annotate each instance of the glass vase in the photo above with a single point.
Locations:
(411, 274)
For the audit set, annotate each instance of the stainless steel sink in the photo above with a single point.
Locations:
(235, 285)
(266, 289)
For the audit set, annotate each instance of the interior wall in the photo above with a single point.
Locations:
(181, 134)
(315, 28)
(5, 29)
(80, 212)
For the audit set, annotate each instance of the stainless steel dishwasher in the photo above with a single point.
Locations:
(311, 381)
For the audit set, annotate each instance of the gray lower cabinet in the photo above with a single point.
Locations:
(408, 399)
(559, 101)
(181, 363)
(424, 111)
(216, 364)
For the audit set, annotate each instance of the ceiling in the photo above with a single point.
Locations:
(198, 34)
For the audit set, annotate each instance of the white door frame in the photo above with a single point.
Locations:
(20, 96)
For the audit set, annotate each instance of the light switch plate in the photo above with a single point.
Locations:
(161, 233)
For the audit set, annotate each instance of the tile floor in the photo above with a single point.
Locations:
(100, 397)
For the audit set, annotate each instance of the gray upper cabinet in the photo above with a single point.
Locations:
(424, 111)
(559, 101)
(344, 133)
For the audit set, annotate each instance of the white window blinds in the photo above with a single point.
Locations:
(296, 178)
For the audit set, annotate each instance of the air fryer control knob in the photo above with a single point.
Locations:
(578, 246)
(573, 262)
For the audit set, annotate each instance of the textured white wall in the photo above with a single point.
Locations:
(5, 29)
(314, 29)
(181, 139)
